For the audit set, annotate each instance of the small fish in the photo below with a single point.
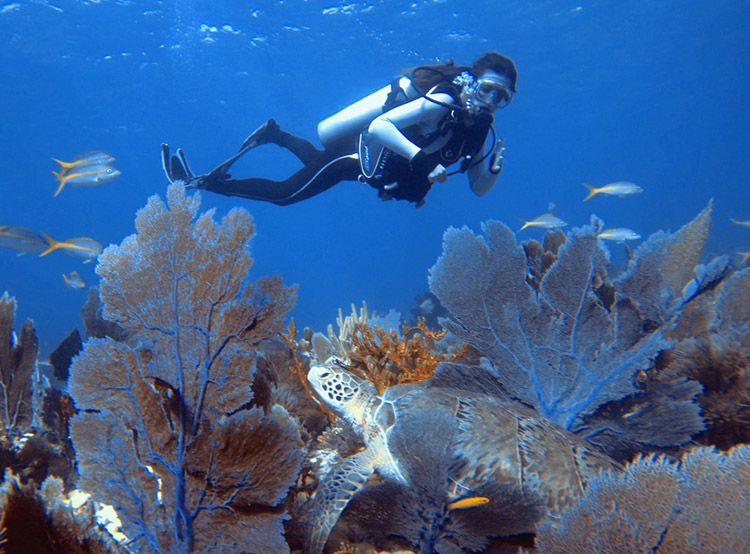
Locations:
(23, 240)
(743, 222)
(89, 158)
(744, 257)
(467, 503)
(74, 280)
(427, 306)
(546, 221)
(618, 188)
(83, 247)
(87, 175)
(618, 235)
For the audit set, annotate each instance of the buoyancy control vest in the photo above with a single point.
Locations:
(466, 134)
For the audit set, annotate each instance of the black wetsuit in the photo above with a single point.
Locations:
(322, 169)
(325, 168)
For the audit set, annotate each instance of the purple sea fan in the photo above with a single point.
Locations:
(164, 431)
(565, 340)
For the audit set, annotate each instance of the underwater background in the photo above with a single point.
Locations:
(650, 92)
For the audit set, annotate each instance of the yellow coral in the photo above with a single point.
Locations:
(385, 359)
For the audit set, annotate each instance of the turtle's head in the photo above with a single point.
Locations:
(347, 394)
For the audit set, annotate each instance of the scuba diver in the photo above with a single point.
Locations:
(399, 140)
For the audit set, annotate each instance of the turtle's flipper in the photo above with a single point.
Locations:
(333, 495)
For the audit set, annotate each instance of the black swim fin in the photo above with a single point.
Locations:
(268, 132)
(176, 167)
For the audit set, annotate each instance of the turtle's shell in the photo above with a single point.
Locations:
(491, 441)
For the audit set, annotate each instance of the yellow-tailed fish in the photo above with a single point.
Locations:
(546, 221)
(618, 188)
(744, 257)
(618, 235)
(82, 247)
(74, 280)
(93, 157)
(21, 239)
(467, 503)
(87, 175)
(743, 222)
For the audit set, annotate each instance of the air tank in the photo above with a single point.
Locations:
(355, 118)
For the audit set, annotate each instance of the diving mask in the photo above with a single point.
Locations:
(492, 92)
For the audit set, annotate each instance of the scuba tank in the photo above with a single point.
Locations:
(352, 120)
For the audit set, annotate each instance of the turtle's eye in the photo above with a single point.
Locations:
(324, 375)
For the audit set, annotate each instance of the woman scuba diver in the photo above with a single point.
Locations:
(399, 140)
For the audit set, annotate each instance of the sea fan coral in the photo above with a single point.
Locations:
(566, 338)
(699, 504)
(165, 432)
(17, 364)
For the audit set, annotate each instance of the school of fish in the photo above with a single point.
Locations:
(617, 188)
(88, 169)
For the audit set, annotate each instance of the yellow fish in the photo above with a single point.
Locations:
(23, 240)
(546, 221)
(74, 281)
(744, 257)
(467, 503)
(83, 247)
(618, 235)
(86, 175)
(744, 223)
(93, 157)
(618, 188)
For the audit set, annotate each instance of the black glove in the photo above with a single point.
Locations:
(422, 164)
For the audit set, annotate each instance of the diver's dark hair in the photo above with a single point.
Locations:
(424, 77)
(498, 63)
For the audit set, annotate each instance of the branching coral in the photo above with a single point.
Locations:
(382, 357)
(386, 359)
(697, 505)
(164, 431)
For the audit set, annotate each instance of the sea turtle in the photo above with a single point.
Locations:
(485, 440)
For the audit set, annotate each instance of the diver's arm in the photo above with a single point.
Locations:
(386, 128)
(483, 176)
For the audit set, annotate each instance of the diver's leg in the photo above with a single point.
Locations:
(270, 132)
(300, 147)
(325, 172)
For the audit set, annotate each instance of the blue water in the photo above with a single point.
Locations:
(653, 92)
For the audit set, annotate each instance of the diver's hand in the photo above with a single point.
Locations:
(422, 164)
(496, 161)
(438, 175)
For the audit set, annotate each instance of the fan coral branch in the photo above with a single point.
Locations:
(17, 364)
(698, 504)
(163, 432)
(567, 340)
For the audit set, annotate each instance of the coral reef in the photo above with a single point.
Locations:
(712, 347)
(699, 504)
(166, 430)
(568, 339)
(33, 442)
(382, 357)
(42, 522)
(17, 365)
